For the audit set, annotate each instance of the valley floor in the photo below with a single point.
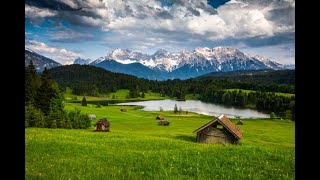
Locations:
(138, 148)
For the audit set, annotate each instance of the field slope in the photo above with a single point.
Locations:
(137, 148)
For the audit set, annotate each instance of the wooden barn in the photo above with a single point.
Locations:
(239, 122)
(102, 125)
(92, 116)
(219, 131)
(160, 117)
(164, 123)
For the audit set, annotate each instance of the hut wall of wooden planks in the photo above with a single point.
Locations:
(219, 131)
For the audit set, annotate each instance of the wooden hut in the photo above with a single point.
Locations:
(219, 131)
(123, 110)
(160, 117)
(239, 122)
(92, 116)
(164, 123)
(102, 125)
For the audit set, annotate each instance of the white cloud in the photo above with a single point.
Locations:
(62, 56)
(236, 20)
(148, 24)
(34, 12)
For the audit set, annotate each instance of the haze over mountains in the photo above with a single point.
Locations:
(166, 65)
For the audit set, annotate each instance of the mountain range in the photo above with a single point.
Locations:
(39, 61)
(183, 65)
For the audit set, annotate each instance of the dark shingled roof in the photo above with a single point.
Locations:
(226, 123)
(164, 122)
(161, 117)
(104, 122)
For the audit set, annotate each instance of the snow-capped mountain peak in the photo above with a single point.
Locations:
(261, 58)
(126, 56)
(99, 60)
(161, 52)
(82, 61)
(190, 64)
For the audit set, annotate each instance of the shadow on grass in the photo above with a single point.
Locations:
(186, 138)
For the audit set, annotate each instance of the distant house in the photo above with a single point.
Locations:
(102, 125)
(219, 131)
(239, 122)
(164, 123)
(92, 116)
(123, 110)
(160, 117)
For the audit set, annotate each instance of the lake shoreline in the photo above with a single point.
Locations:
(197, 106)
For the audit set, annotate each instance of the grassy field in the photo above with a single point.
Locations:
(247, 91)
(119, 95)
(137, 148)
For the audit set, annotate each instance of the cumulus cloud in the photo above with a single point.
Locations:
(237, 19)
(153, 23)
(62, 56)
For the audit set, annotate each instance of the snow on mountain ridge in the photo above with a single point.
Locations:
(202, 56)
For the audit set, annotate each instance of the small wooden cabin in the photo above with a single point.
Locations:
(160, 117)
(102, 125)
(92, 116)
(164, 123)
(239, 122)
(219, 131)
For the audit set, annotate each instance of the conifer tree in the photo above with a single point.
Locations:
(84, 101)
(31, 83)
(175, 110)
(46, 93)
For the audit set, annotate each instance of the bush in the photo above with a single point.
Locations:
(272, 115)
(98, 105)
(55, 119)
(34, 117)
(288, 115)
(76, 120)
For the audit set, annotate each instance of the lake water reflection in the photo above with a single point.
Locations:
(198, 107)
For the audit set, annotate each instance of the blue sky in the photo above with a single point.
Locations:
(66, 29)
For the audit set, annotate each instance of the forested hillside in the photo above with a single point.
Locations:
(91, 80)
(94, 81)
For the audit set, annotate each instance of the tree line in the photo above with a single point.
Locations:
(283, 106)
(44, 103)
(90, 80)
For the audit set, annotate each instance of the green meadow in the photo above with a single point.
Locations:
(138, 148)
